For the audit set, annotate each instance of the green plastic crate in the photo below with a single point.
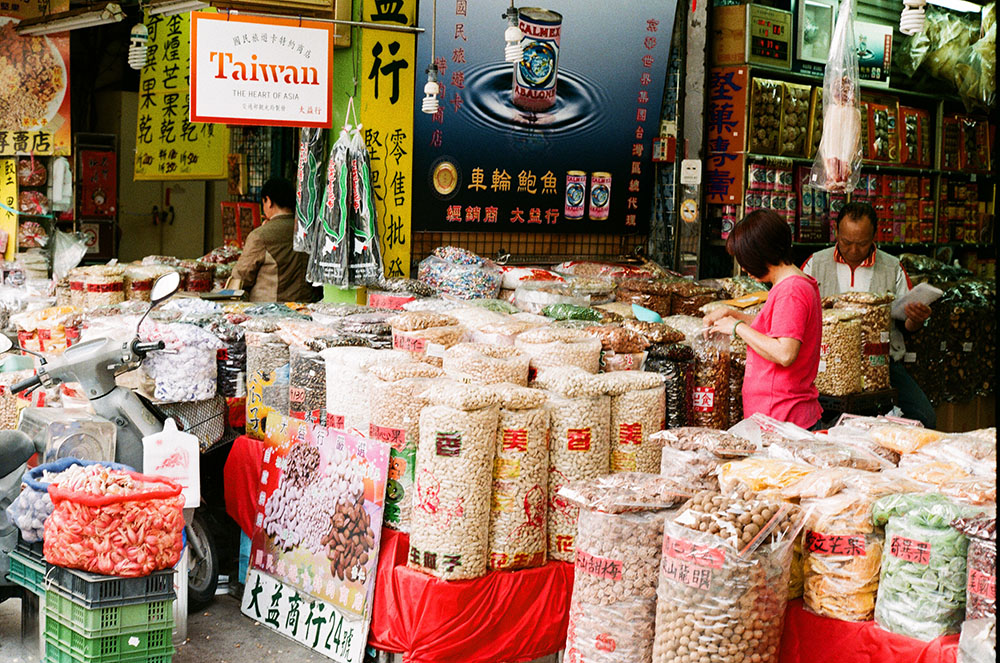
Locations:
(27, 573)
(112, 620)
(138, 644)
(56, 654)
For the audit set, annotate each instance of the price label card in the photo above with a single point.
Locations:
(910, 550)
(609, 569)
(704, 399)
(820, 544)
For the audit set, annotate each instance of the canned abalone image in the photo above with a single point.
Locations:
(600, 196)
(536, 74)
(576, 194)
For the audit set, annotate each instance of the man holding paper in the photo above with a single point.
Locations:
(854, 264)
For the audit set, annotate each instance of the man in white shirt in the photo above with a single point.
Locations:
(854, 264)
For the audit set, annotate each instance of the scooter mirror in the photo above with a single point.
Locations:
(5, 343)
(164, 287)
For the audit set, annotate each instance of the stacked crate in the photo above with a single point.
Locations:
(92, 618)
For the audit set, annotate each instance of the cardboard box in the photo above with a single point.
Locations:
(751, 34)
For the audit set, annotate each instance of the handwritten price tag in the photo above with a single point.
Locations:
(688, 551)
(335, 421)
(982, 584)
(910, 550)
(687, 574)
(820, 544)
(408, 343)
(395, 437)
(609, 569)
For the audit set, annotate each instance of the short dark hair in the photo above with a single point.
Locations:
(859, 211)
(761, 240)
(280, 191)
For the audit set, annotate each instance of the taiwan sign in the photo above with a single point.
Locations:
(558, 141)
(261, 70)
(168, 145)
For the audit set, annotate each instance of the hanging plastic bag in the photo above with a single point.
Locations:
(328, 260)
(365, 253)
(838, 159)
(309, 187)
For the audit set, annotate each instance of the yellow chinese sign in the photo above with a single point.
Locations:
(388, 62)
(168, 145)
(34, 99)
(8, 207)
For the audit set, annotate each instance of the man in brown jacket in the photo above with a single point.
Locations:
(269, 270)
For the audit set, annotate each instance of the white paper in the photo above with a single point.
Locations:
(924, 293)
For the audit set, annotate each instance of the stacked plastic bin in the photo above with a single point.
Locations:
(92, 618)
(27, 566)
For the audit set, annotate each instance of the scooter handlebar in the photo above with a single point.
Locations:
(28, 383)
(142, 349)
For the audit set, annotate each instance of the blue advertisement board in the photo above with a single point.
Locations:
(559, 141)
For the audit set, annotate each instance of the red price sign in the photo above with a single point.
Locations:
(704, 399)
(982, 584)
(687, 574)
(609, 569)
(910, 550)
(687, 551)
(335, 421)
(395, 437)
(408, 343)
(820, 544)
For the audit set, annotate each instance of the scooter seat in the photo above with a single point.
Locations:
(15, 450)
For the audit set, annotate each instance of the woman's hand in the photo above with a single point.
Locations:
(724, 326)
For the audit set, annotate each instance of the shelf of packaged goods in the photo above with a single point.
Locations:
(870, 166)
(902, 245)
(759, 71)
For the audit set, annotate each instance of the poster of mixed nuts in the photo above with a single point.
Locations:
(319, 518)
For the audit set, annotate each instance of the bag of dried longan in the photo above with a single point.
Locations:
(723, 582)
(520, 480)
(396, 402)
(450, 521)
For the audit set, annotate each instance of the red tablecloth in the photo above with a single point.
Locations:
(809, 638)
(504, 617)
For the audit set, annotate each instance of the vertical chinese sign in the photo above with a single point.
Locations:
(560, 141)
(727, 139)
(319, 522)
(34, 97)
(8, 207)
(168, 146)
(388, 67)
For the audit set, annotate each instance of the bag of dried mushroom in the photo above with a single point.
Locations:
(520, 480)
(723, 581)
(613, 609)
(450, 522)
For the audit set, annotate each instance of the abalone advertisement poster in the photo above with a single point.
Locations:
(559, 139)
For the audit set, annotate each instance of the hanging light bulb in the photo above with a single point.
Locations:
(512, 36)
(911, 19)
(431, 89)
(138, 41)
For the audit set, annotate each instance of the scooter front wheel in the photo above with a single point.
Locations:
(203, 568)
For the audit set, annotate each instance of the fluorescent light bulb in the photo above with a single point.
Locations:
(958, 5)
(71, 20)
(170, 7)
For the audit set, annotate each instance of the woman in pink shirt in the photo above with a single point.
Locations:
(783, 339)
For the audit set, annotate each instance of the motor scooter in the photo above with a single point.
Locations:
(94, 364)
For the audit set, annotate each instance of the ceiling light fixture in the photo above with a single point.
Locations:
(512, 36)
(431, 103)
(74, 19)
(171, 7)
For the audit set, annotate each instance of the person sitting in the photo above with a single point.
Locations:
(269, 269)
(855, 264)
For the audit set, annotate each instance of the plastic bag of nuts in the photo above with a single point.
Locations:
(618, 339)
(428, 344)
(874, 313)
(349, 384)
(654, 332)
(840, 366)
(487, 364)
(579, 446)
(841, 557)
(721, 443)
(450, 523)
(737, 370)
(711, 382)
(723, 581)
(556, 348)
(397, 398)
(981, 599)
(620, 532)
(679, 376)
(520, 480)
(267, 378)
(638, 408)
(306, 386)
